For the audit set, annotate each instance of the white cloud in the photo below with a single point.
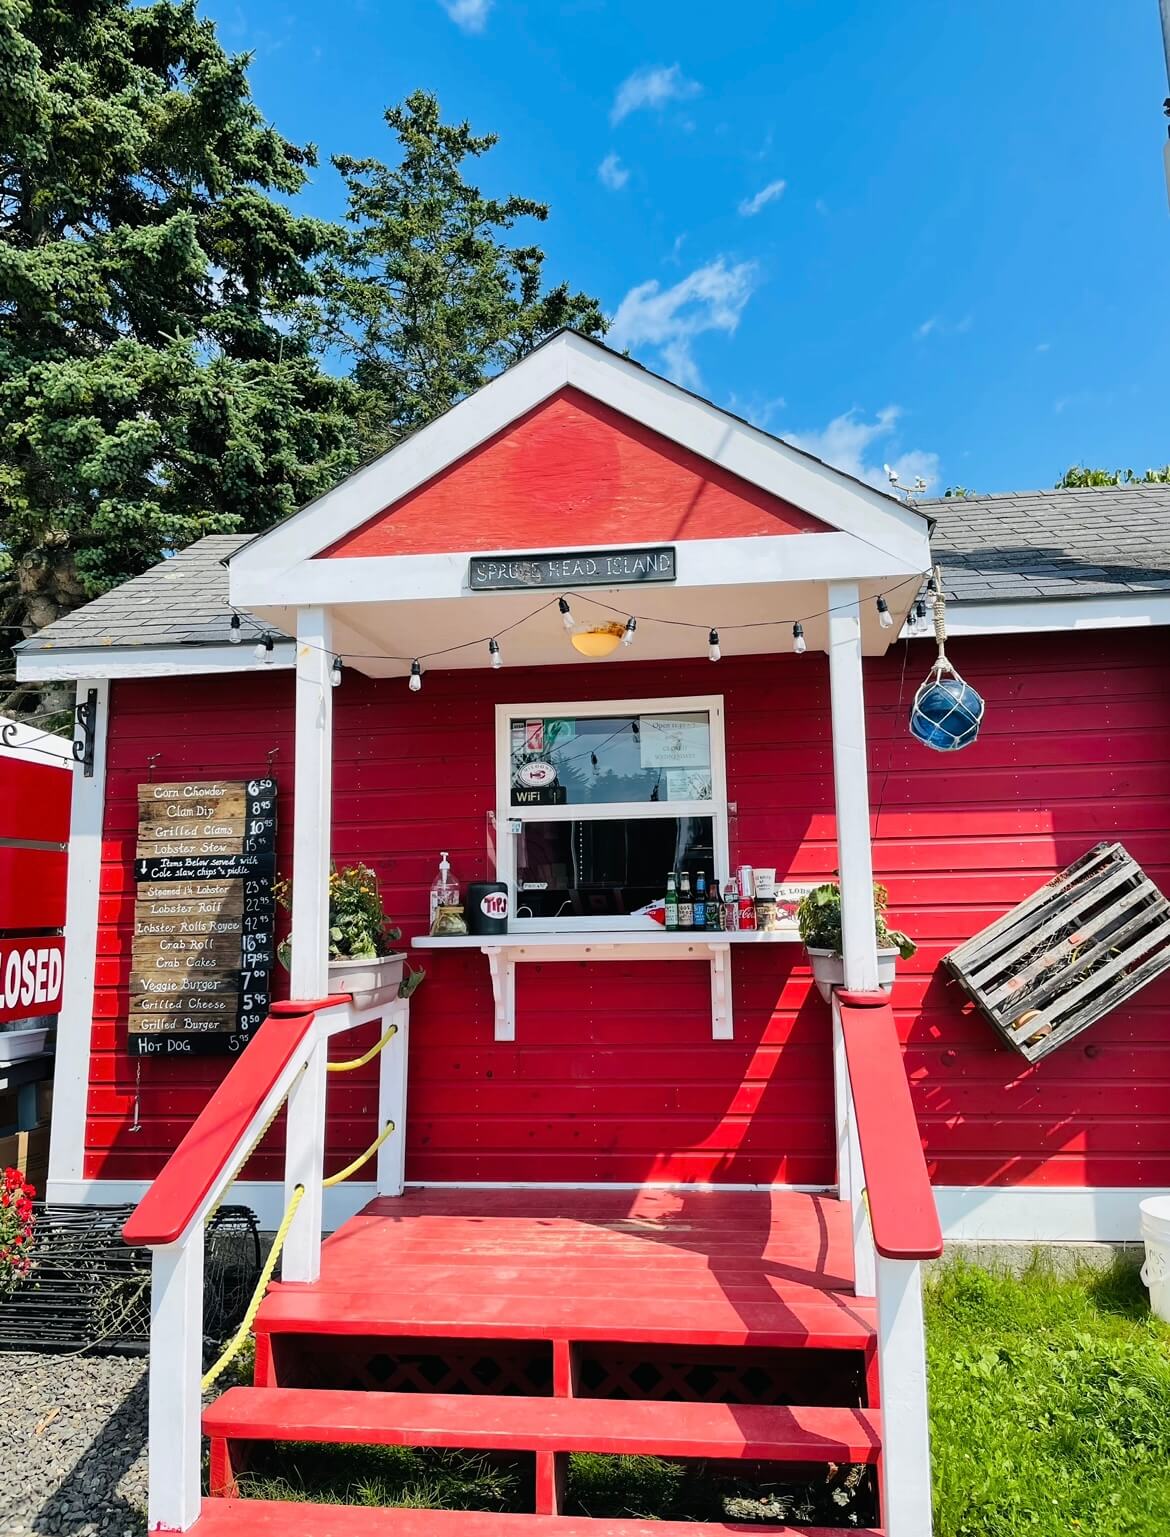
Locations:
(1043, 346)
(849, 443)
(711, 298)
(750, 206)
(471, 15)
(650, 86)
(937, 325)
(612, 173)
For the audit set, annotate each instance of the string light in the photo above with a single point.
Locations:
(713, 650)
(798, 641)
(234, 633)
(494, 653)
(265, 646)
(631, 626)
(415, 676)
(335, 672)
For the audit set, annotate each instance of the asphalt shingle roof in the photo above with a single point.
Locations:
(183, 601)
(1090, 542)
(1026, 545)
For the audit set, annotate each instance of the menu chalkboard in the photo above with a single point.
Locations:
(203, 946)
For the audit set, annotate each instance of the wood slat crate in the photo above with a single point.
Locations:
(1068, 954)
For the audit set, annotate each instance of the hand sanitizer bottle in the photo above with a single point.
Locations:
(444, 888)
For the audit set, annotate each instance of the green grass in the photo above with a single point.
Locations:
(1050, 1405)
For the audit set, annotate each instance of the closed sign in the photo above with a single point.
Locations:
(30, 976)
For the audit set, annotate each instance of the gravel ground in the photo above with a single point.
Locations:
(73, 1446)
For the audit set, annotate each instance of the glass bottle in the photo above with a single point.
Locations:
(700, 908)
(686, 905)
(671, 904)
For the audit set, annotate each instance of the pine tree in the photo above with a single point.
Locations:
(152, 385)
(427, 299)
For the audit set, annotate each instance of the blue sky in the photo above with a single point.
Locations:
(923, 231)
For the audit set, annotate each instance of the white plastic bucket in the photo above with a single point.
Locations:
(1155, 1212)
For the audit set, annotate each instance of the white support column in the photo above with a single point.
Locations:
(902, 1375)
(850, 1173)
(391, 1175)
(75, 1020)
(851, 787)
(176, 1365)
(312, 818)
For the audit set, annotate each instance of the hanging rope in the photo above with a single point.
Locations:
(240, 1167)
(234, 1345)
(356, 1062)
(352, 1168)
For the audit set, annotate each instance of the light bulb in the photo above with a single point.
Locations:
(335, 672)
(631, 626)
(566, 613)
(798, 642)
(713, 650)
(264, 649)
(885, 618)
(234, 634)
(494, 653)
(415, 676)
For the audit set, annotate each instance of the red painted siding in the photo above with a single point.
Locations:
(613, 1075)
(572, 472)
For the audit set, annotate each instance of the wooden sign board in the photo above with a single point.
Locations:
(203, 945)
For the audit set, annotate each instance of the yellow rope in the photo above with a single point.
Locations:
(233, 1347)
(343, 1174)
(348, 1067)
(263, 1132)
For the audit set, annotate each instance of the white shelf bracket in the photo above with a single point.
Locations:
(722, 1018)
(503, 969)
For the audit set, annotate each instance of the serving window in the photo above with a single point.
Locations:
(596, 803)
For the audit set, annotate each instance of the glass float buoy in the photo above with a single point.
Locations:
(947, 711)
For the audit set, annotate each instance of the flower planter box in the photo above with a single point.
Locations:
(828, 969)
(368, 980)
(19, 1045)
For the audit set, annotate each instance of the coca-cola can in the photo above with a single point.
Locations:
(747, 882)
(747, 913)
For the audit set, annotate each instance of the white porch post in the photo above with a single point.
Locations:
(851, 788)
(391, 1166)
(312, 816)
(855, 866)
(902, 1375)
(176, 1361)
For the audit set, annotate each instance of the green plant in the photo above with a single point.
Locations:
(819, 920)
(358, 926)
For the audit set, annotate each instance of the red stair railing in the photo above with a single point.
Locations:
(883, 1174)
(285, 1061)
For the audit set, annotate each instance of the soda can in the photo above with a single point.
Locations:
(747, 913)
(747, 882)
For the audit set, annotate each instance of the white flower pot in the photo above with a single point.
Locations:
(19, 1045)
(369, 980)
(828, 970)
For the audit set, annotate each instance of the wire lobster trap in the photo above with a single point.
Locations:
(86, 1289)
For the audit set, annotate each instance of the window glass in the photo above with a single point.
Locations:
(599, 760)
(609, 868)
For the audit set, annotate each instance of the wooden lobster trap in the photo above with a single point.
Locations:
(1069, 953)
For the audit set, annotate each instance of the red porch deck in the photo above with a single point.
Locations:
(701, 1324)
(709, 1267)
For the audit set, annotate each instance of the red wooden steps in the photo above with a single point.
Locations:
(765, 1432)
(278, 1518)
(803, 1318)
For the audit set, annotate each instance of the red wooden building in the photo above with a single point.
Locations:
(571, 1081)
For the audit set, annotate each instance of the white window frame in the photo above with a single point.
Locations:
(715, 809)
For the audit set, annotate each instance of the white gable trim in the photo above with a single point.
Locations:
(785, 472)
(149, 661)
(1037, 615)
